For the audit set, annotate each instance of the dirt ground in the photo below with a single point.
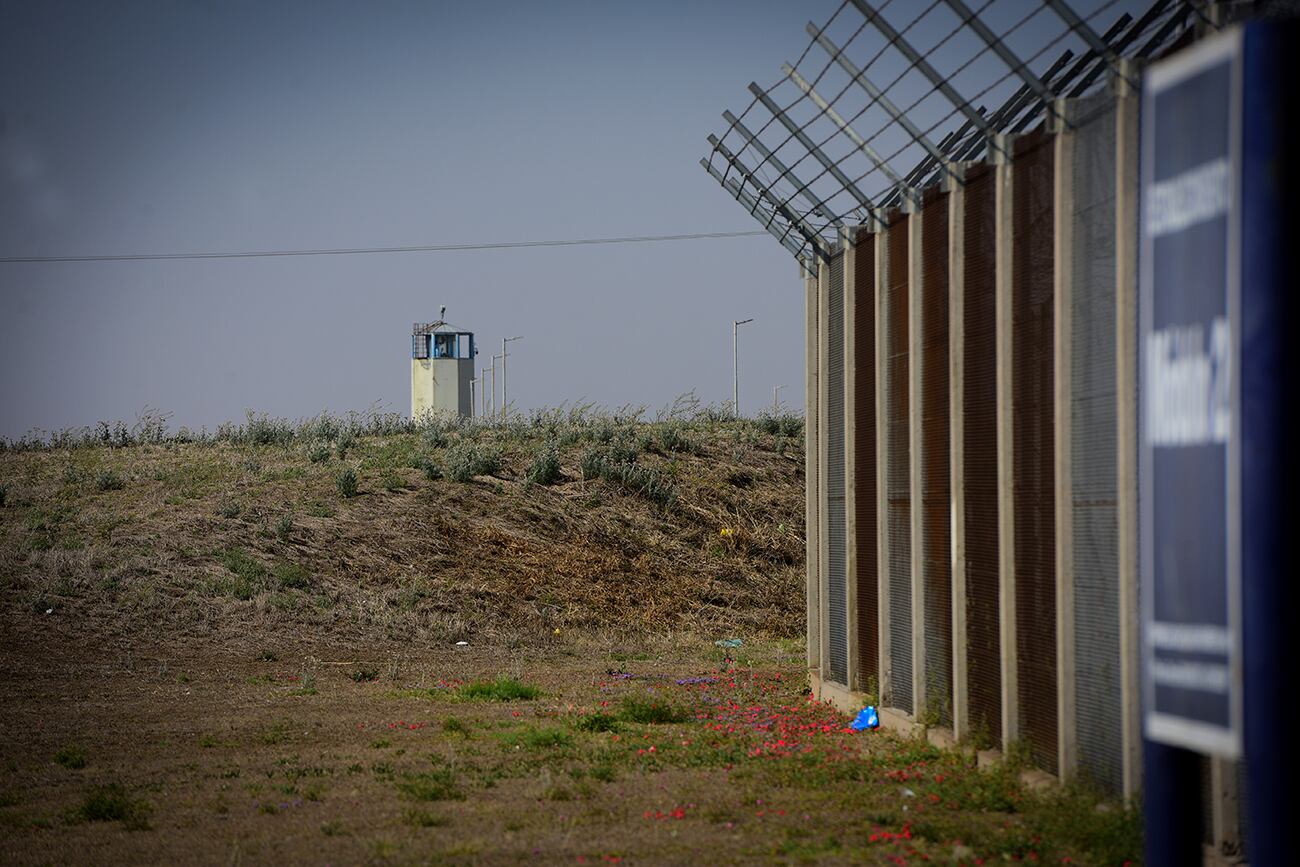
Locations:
(126, 754)
(245, 650)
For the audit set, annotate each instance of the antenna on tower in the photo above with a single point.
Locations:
(442, 313)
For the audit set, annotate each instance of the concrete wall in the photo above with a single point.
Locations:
(441, 386)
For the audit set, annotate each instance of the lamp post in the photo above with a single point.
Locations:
(482, 395)
(776, 404)
(735, 366)
(505, 403)
(472, 392)
(494, 382)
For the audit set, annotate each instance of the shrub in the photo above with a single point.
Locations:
(347, 483)
(112, 803)
(318, 452)
(597, 460)
(432, 469)
(545, 469)
(617, 464)
(284, 527)
(780, 424)
(467, 460)
(365, 675)
(502, 689)
(108, 480)
(644, 481)
(435, 438)
(674, 438)
(346, 440)
(262, 430)
(592, 464)
(228, 509)
(71, 757)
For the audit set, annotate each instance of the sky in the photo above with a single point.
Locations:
(176, 127)
(165, 127)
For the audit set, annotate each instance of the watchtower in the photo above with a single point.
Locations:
(442, 369)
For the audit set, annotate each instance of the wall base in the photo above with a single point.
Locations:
(851, 701)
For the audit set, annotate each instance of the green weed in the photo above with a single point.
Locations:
(71, 757)
(112, 803)
(502, 689)
(438, 784)
(545, 468)
(598, 722)
(423, 819)
(453, 726)
(465, 460)
(538, 738)
(638, 709)
(346, 482)
(292, 576)
(108, 480)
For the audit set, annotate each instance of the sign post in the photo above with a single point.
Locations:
(1213, 474)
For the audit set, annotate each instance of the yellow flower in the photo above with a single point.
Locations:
(726, 531)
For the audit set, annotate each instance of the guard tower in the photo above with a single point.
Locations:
(442, 368)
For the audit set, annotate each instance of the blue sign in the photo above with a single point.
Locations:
(1189, 412)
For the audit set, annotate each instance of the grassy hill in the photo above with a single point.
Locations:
(373, 528)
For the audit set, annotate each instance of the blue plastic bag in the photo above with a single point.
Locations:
(867, 718)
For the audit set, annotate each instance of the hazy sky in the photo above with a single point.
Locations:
(163, 127)
(160, 127)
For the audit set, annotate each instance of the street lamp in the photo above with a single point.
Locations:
(735, 366)
(776, 404)
(494, 381)
(505, 403)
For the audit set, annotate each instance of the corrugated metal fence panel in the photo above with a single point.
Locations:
(1094, 448)
(836, 586)
(1033, 411)
(898, 476)
(864, 415)
(935, 478)
(980, 456)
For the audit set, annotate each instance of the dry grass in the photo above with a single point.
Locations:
(243, 541)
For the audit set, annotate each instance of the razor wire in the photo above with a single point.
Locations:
(768, 175)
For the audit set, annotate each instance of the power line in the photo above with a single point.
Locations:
(349, 251)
